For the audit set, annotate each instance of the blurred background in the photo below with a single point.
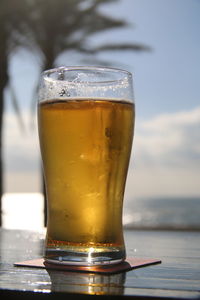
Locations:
(159, 42)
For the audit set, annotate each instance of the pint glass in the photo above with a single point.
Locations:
(85, 120)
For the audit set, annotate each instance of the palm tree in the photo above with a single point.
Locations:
(54, 27)
(50, 28)
(10, 14)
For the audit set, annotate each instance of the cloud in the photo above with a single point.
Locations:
(169, 140)
(21, 155)
(166, 156)
(20, 148)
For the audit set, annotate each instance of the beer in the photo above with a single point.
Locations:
(85, 146)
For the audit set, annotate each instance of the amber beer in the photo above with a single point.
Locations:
(85, 146)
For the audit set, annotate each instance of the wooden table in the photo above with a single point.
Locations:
(177, 277)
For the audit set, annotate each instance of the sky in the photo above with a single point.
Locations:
(165, 159)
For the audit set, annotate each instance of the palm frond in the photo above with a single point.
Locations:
(115, 47)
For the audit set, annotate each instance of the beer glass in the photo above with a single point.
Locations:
(85, 120)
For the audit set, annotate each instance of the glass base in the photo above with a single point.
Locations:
(89, 258)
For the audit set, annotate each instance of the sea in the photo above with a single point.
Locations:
(26, 211)
(163, 213)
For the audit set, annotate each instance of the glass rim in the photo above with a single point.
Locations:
(126, 74)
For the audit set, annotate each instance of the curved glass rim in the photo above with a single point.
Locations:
(128, 74)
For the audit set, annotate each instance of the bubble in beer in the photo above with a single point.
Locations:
(62, 93)
(61, 75)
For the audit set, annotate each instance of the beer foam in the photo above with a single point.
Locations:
(85, 85)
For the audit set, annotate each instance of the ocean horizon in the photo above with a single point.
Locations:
(26, 211)
(165, 213)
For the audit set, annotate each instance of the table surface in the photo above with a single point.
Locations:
(178, 276)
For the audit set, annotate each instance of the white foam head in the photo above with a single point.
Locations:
(86, 82)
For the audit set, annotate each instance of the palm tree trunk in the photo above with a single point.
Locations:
(3, 83)
(48, 65)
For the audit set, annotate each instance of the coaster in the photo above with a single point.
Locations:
(127, 265)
